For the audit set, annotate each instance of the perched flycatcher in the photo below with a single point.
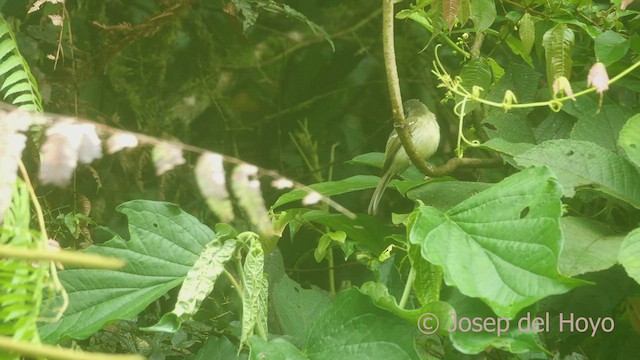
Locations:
(425, 134)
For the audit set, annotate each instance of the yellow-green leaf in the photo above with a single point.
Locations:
(558, 42)
(527, 32)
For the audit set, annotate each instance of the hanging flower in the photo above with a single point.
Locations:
(598, 78)
(562, 84)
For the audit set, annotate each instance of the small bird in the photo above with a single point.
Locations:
(425, 134)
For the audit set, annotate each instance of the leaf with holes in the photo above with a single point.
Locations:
(581, 165)
(255, 290)
(501, 245)
(199, 282)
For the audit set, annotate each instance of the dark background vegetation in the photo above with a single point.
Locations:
(187, 70)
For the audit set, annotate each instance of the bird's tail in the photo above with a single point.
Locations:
(377, 194)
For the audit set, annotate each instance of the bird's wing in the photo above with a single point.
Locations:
(393, 145)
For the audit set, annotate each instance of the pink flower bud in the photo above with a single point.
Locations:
(598, 77)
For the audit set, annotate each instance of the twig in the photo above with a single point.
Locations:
(451, 165)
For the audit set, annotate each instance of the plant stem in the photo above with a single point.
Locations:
(394, 87)
(62, 256)
(407, 288)
(56, 353)
(332, 272)
(234, 283)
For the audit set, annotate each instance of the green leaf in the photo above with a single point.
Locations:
(581, 165)
(496, 70)
(330, 188)
(16, 76)
(255, 291)
(629, 139)
(464, 11)
(557, 125)
(199, 282)
(588, 246)
(6, 45)
(248, 13)
(325, 241)
(428, 282)
(510, 338)
(506, 149)
(558, 42)
(278, 348)
(297, 308)
(321, 250)
(601, 127)
(168, 323)
(354, 327)
(516, 46)
(20, 281)
(500, 245)
(610, 47)
(476, 72)
(441, 310)
(366, 231)
(17, 71)
(216, 348)
(165, 243)
(18, 88)
(443, 195)
(376, 159)
(527, 32)
(628, 256)
(10, 63)
(483, 14)
(449, 11)
(512, 126)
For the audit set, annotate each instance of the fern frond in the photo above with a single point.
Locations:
(21, 282)
(19, 85)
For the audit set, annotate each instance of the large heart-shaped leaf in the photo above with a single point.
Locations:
(501, 245)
